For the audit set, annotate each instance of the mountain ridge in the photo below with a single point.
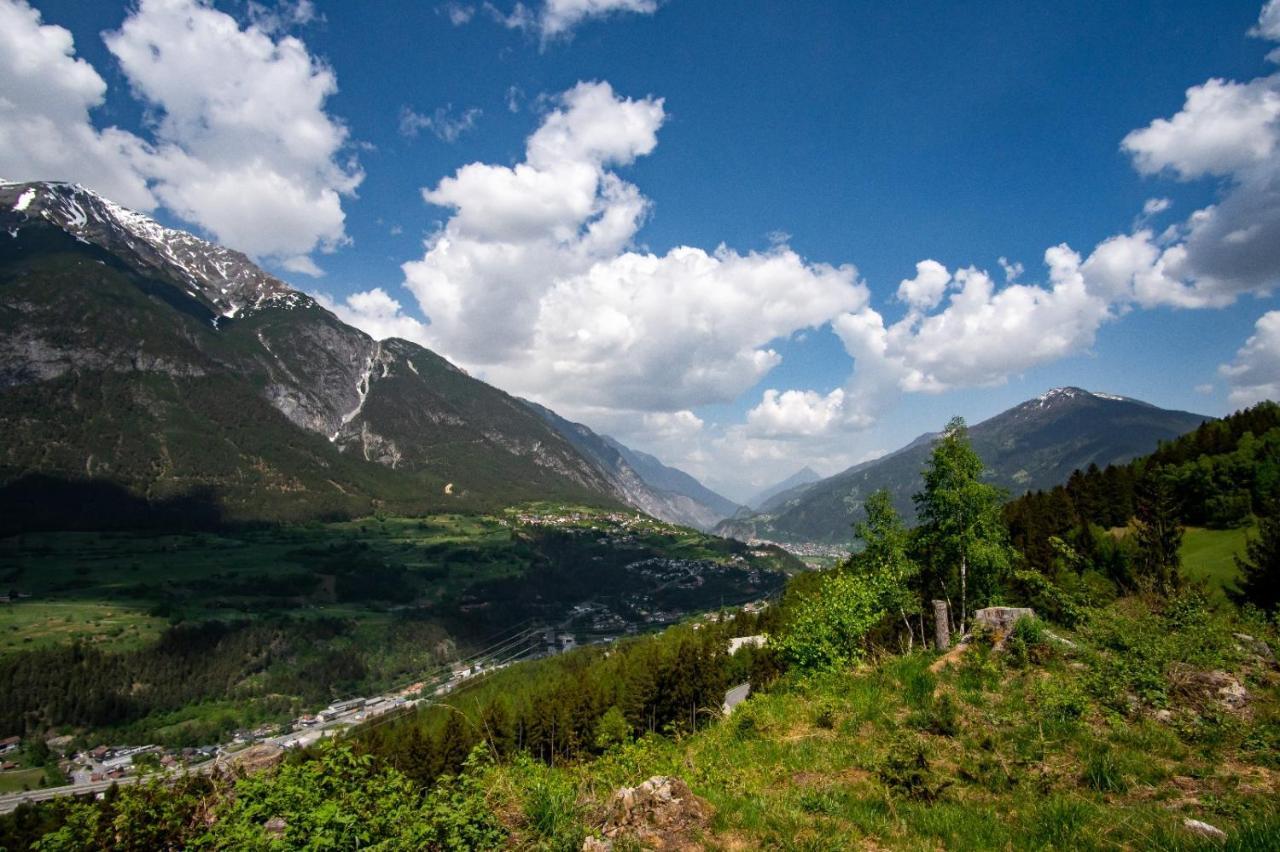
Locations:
(1033, 445)
(643, 480)
(131, 323)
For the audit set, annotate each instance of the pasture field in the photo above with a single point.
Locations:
(1209, 555)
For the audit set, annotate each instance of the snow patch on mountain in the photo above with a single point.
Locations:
(227, 280)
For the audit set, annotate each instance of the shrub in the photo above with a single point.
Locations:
(825, 628)
(906, 771)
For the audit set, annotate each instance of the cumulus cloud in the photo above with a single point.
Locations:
(534, 279)
(961, 330)
(1268, 26)
(1254, 375)
(377, 314)
(240, 143)
(925, 290)
(46, 95)
(795, 413)
(1229, 132)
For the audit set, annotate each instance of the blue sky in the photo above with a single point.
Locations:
(813, 136)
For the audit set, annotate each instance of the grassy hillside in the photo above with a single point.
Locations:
(1109, 743)
(1209, 555)
(1148, 715)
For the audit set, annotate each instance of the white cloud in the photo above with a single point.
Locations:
(46, 95)
(458, 13)
(1231, 132)
(560, 16)
(302, 264)
(533, 279)
(1012, 269)
(444, 123)
(667, 425)
(925, 290)
(283, 16)
(377, 314)
(1268, 26)
(557, 18)
(1155, 206)
(1254, 375)
(982, 336)
(244, 146)
(240, 142)
(795, 413)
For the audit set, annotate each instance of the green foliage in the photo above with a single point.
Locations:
(1260, 568)
(1220, 472)
(550, 807)
(907, 772)
(962, 532)
(1102, 772)
(825, 629)
(612, 729)
(1159, 536)
(884, 562)
(1027, 643)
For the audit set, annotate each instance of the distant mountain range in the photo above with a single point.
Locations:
(763, 501)
(147, 375)
(642, 480)
(1032, 446)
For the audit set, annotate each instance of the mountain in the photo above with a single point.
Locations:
(1031, 446)
(173, 374)
(796, 482)
(641, 480)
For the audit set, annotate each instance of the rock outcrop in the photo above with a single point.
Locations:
(662, 813)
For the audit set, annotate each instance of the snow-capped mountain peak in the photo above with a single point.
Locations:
(227, 280)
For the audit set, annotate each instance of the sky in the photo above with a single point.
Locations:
(745, 237)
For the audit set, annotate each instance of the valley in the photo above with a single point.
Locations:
(324, 610)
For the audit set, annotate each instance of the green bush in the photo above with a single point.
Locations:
(825, 629)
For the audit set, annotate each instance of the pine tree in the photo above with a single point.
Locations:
(1260, 569)
(1159, 535)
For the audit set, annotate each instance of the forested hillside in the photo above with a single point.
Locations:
(1218, 476)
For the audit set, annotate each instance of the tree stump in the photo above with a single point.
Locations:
(941, 625)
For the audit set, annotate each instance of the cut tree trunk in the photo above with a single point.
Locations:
(941, 625)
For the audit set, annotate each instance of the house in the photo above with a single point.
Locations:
(9, 744)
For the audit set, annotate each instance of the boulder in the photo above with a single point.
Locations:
(1256, 647)
(276, 828)
(1214, 686)
(662, 813)
(1203, 829)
